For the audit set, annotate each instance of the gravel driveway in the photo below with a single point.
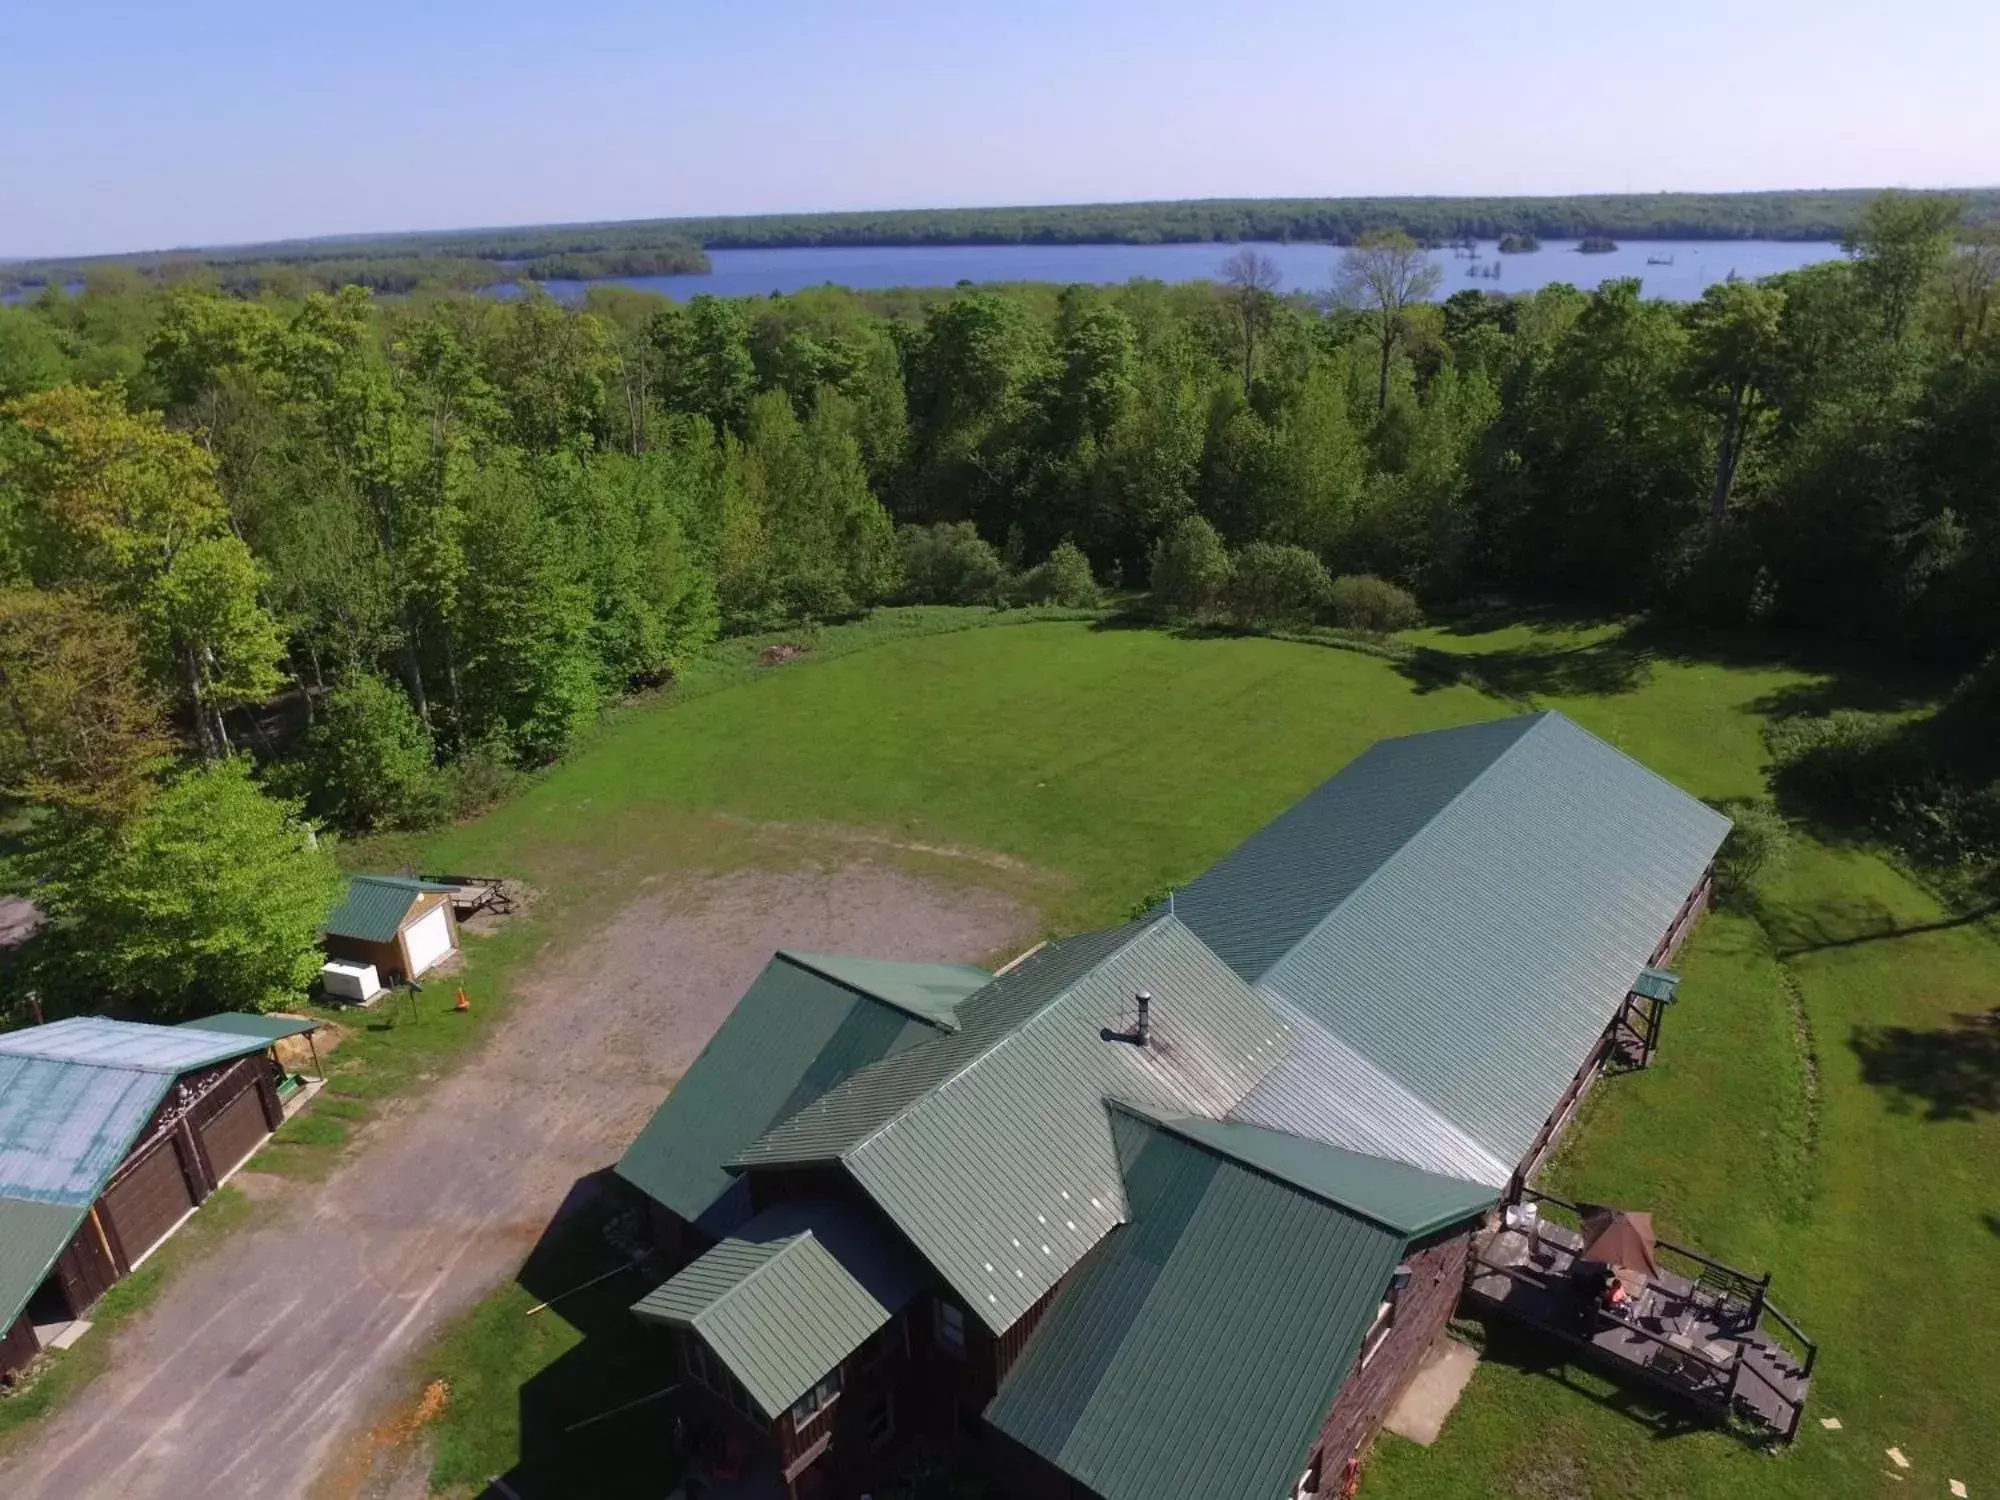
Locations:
(260, 1365)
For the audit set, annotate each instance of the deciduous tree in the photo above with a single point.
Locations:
(1381, 277)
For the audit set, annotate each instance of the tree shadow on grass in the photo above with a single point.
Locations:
(1484, 617)
(1952, 1073)
(1797, 930)
(1526, 675)
(594, 1422)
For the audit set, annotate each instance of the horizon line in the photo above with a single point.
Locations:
(8, 260)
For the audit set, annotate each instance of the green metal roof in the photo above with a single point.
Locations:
(789, 1296)
(133, 1045)
(990, 1147)
(1414, 1203)
(1656, 984)
(793, 1035)
(75, 1094)
(375, 906)
(267, 1028)
(1460, 914)
(1261, 900)
(64, 1127)
(32, 1237)
(1197, 1349)
(930, 992)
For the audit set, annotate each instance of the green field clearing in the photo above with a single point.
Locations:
(1844, 1141)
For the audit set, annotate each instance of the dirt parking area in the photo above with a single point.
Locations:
(260, 1367)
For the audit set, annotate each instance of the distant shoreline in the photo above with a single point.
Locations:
(1788, 214)
(473, 258)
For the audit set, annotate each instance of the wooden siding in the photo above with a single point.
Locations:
(152, 1192)
(17, 1347)
(386, 957)
(87, 1269)
(392, 959)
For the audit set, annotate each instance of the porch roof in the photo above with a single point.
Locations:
(789, 1296)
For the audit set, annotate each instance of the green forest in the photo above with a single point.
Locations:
(280, 566)
(394, 264)
(1336, 221)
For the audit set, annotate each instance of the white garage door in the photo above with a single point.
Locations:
(427, 940)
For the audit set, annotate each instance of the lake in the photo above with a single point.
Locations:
(1691, 266)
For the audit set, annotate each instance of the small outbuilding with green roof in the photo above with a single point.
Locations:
(400, 925)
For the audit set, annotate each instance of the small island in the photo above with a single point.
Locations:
(1519, 244)
(1596, 244)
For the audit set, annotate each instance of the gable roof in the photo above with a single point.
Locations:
(135, 1046)
(789, 1296)
(1196, 1349)
(74, 1096)
(1461, 912)
(795, 1034)
(990, 1147)
(1413, 1203)
(375, 905)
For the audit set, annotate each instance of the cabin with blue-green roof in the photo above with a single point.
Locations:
(112, 1133)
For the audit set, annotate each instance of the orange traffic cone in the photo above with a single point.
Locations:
(463, 1003)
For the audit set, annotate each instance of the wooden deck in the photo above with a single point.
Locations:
(1702, 1339)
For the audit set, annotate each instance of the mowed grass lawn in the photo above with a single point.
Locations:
(1805, 1117)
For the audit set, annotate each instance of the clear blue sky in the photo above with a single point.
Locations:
(129, 124)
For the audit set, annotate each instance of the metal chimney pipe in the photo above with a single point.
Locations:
(1143, 1031)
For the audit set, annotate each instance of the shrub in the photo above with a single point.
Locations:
(1276, 584)
(1757, 847)
(211, 900)
(1190, 570)
(949, 563)
(1846, 760)
(818, 594)
(1361, 601)
(481, 777)
(1065, 579)
(371, 757)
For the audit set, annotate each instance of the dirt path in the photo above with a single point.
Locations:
(259, 1364)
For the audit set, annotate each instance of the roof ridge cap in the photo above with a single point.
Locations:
(985, 1052)
(804, 961)
(1159, 1122)
(783, 1243)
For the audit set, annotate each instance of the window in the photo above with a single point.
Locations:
(1378, 1331)
(1308, 1484)
(708, 1369)
(951, 1327)
(816, 1400)
(878, 1424)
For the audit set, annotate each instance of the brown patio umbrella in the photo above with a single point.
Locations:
(1614, 1237)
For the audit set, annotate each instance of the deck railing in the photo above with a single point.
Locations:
(1751, 1290)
